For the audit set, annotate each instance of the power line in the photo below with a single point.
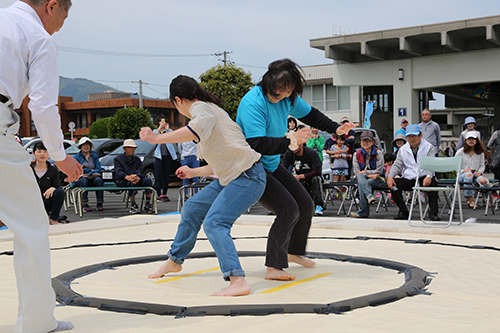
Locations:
(129, 54)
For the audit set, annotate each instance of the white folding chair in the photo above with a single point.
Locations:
(438, 164)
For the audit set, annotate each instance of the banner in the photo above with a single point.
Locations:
(368, 113)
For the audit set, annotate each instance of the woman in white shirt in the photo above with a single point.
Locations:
(472, 164)
(241, 181)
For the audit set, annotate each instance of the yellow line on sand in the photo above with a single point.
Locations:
(288, 285)
(187, 275)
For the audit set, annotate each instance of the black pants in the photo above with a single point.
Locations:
(315, 188)
(289, 200)
(162, 173)
(404, 184)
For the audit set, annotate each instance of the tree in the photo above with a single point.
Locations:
(100, 128)
(127, 123)
(228, 82)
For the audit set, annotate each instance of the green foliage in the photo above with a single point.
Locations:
(229, 83)
(127, 123)
(99, 128)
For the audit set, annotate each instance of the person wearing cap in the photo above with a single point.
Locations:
(28, 67)
(470, 125)
(431, 131)
(128, 173)
(406, 165)
(473, 165)
(402, 130)
(398, 142)
(368, 166)
(92, 172)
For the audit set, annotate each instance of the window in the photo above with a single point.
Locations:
(327, 98)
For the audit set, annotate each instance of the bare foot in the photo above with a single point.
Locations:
(278, 274)
(167, 267)
(52, 222)
(237, 287)
(301, 260)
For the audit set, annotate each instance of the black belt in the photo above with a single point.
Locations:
(3, 99)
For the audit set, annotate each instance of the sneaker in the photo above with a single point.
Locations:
(371, 199)
(99, 207)
(165, 198)
(134, 209)
(86, 208)
(148, 208)
(318, 211)
(495, 197)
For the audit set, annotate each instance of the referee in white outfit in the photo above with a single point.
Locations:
(28, 66)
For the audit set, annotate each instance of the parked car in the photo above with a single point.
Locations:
(27, 139)
(102, 147)
(145, 151)
(29, 146)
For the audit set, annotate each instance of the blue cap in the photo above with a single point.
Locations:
(413, 129)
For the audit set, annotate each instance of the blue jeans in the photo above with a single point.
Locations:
(97, 182)
(217, 207)
(365, 186)
(463, 178)
(192, 162)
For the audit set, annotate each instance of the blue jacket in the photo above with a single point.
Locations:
(170, 147)
(95, 158)
(125, 166)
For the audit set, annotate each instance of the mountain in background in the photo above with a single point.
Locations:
(79, 88)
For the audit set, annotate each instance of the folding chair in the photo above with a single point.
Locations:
(438, 164)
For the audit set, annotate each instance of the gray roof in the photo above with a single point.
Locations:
(394, 44)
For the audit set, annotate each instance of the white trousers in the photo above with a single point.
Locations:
(22, 210)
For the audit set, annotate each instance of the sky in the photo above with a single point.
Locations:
(115, 42)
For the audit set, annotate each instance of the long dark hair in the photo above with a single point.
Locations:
(282, 74)
(478, 147)
(186, 87)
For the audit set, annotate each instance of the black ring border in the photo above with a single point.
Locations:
(415, 281)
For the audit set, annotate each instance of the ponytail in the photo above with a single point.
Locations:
(186, 87)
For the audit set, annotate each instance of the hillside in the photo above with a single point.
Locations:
(78, 88)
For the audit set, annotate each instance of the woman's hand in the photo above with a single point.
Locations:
(302, 135)
(49, 192)
(345, 128)
(184, 172)
(146, 134)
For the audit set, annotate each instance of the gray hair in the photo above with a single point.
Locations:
(64, 3)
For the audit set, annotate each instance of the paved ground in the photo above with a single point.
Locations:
(114, 207)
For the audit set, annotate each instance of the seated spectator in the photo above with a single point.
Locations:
(406, 164)
(316, 143)
(189, 157)
(452, 149)
(398, 142)
(92, 173)
(473, 165)
(368, 166)
(308, 172)
(388, 162)
(128, 173)
(49, 183)
(292, 124)
(340, 156)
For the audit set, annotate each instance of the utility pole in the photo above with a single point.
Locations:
(140, 91)
(225, 53)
